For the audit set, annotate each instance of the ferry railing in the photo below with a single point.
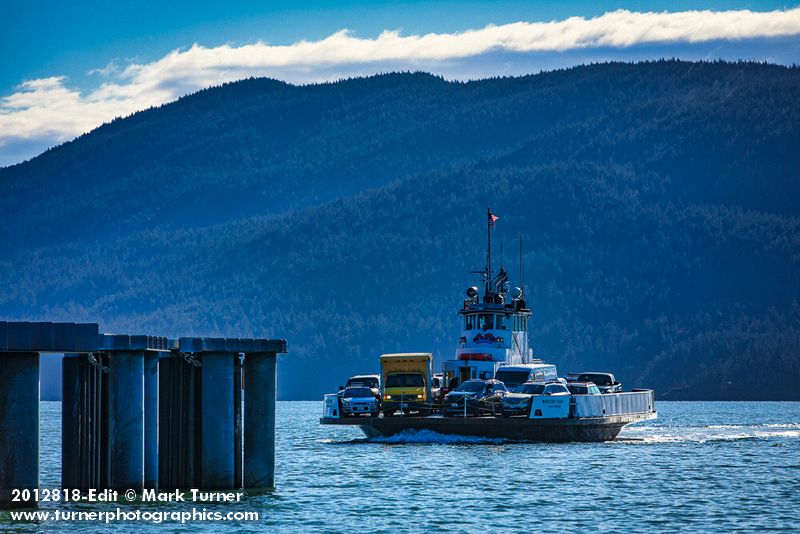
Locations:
(639, 401)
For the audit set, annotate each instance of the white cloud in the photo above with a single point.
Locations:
(46, 111)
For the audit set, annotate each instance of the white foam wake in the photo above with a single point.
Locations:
(429, 436)
(710, 433)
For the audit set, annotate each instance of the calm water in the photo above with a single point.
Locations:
(709, 466)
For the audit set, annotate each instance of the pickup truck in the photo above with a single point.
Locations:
(604, 381)
(370, 381)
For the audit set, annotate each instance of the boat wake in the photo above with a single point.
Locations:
(710, 433)
(428, 436)
(650, 434)
(422, 437)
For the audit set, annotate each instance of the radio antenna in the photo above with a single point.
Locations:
(521, 270)
(488, 248)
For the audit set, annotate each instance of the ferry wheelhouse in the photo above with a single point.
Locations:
(494, 335)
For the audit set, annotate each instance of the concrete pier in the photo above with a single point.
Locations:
(259, 420)
(139, 411)
(151, 420)
(126, 420)
(217, 421)
(19, 425)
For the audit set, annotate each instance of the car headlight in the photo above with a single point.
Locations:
(387, 397)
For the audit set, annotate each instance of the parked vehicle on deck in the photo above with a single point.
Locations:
(513, 376)
(555, 388)
(372, 382)
(407, 383)
(519, 402)
(605, 381)
(475, 397)
(437, 383)
(359, 400)
(583, 388)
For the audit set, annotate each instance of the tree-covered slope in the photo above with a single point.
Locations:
(658, 202)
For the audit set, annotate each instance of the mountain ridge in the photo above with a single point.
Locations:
(672, 265)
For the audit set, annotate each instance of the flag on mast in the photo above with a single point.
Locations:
(493, 219)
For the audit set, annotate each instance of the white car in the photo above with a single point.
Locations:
(519, 403)
(583, 388)
(357, 401)
(556, 388)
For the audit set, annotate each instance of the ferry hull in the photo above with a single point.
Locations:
(585, 429)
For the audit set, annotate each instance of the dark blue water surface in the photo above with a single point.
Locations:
(706, 466)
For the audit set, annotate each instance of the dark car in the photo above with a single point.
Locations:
(475, 397)
(519, 402)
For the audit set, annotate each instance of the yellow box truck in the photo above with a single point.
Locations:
(407, 383)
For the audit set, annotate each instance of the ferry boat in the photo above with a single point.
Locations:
(494, 345)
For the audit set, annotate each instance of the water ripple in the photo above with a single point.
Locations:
(699, 466)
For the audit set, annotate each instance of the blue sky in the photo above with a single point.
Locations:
(42, 38)
(63, 64)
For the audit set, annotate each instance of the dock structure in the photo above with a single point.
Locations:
(140, 411)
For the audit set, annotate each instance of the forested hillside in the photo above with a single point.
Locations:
(659, 205)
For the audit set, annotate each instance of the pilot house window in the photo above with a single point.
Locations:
(469, 322)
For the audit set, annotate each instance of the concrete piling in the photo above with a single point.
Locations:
(178, 428)
(19, 425)
(190, 425)
(151, 420)
(71, 406)
(238, 451)
(217, 442)
(99, 423)
(169, 414)
(126, 420)
(259, 420)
